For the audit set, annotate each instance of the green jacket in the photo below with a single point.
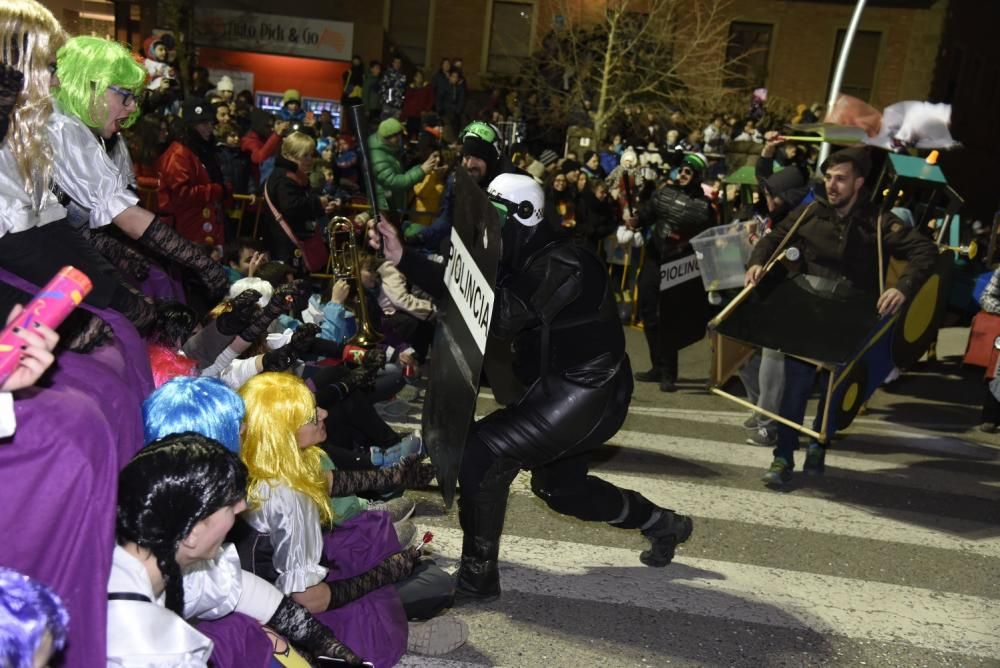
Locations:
(392, 184)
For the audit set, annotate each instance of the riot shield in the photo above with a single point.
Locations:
(462, 329)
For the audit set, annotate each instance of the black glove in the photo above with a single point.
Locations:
(303, 338)
(281, 359)
(284, 357)
(128, 260)
(360, 379)
(162, 239)
(306, 632)
(410, 473)
(242, 309)
(326, 348)
(280, 300)
(11, 84)
(374, 359)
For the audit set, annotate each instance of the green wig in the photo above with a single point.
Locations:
(86, 67)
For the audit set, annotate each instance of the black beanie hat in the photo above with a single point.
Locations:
(477, 148)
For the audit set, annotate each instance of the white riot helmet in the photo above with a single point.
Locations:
(519, 197)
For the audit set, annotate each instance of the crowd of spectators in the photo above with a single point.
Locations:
(231, 189)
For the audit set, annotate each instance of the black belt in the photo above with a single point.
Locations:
(128, 596)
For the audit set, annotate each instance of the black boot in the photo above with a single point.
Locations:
(478, 575)
(652, 333)
(481, 515)
(665, 532)
(668, 378)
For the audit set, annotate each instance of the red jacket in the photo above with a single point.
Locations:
(188, 198)
(259, 150)
(416, 101)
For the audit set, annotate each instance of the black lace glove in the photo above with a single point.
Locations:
(11, 83)
(307, 633)
(209, 342)
(280, 300)
(287, 355)
(391, 570)
(83, 331)
(128, 260)
(408, 473)
(361, 379)
(242, 309)
(374, 359)
(162, 239)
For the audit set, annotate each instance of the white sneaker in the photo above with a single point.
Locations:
(437, 636)
(406, 531)
(399, 509)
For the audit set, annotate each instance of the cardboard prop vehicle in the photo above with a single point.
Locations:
(840, 332)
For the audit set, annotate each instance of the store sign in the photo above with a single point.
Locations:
(271, 33)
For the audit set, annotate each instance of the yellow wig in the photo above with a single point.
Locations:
(29, 39)
(277, 404)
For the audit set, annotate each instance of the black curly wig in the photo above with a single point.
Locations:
(167, 488)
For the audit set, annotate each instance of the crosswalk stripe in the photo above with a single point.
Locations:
(416, 661)
(826, 604)
(915, 437)
(901, 474)
(790, 511)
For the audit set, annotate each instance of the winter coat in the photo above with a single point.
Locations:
(235, 165)
(439, 82)
(451, 99)
(417, 101)
(370, 93)
(392, 183)
(188, 196)
(392, 88)
(834, 247)
(261, 151)
(300, 207)
(595, 219)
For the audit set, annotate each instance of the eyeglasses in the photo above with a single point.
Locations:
(128, 97)
(686, 170)
(314, 420)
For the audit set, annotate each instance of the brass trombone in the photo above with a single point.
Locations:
(344, 264)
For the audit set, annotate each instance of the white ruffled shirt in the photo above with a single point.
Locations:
(95, 180)
(17, 211)
(291, 519)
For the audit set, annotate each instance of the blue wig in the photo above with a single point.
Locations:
(27, 610)
(202, 405)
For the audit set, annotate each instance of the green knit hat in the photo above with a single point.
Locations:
(389, 127)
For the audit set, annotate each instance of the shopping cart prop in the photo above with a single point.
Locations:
(462, 330)
(839, 332)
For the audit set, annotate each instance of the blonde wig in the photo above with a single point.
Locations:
(29, 39)
(296, 146)
(277, 404)
(86, 67)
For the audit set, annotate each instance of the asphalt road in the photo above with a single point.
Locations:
(891, 559)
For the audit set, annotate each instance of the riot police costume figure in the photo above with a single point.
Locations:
(555, 307)
(674, 318)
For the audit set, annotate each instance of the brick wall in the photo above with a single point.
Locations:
(804, 38)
